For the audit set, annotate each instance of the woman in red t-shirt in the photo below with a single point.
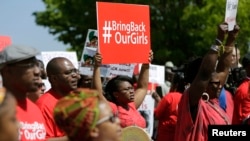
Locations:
(123, 98)
(167, 109)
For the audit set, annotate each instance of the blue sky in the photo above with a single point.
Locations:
(16, 21)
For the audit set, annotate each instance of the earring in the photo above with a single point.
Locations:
(205, 96)
(94, 132)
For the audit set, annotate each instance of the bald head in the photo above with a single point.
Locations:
(62, 75)
(56, 64)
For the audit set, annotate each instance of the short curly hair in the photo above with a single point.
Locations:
(191, 69)
(113, 85)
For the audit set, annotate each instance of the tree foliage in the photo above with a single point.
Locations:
(179, 29)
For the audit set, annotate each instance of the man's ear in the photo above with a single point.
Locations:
(6, 71)
(94, 132)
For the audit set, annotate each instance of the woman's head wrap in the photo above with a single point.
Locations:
(77, 113)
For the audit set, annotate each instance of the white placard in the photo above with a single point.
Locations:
(147, 111)
(48, 55)
(120, 69)
(231, 12)
(90, 48)
(156, 73)
(89, 70)
(86, 66)
(1, 81)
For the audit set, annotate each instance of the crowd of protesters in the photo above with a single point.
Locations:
(80, 107)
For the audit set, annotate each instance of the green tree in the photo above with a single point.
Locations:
(200, 21)
(179, 29)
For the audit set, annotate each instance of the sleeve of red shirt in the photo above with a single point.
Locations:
(241, 103)
(237, 108)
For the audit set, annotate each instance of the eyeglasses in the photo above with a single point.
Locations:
(110, 118)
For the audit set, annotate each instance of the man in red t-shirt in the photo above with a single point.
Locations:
(241, 97)
(63, 77)
(20, 75)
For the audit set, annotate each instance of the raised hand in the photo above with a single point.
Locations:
(151, 56)
(221, 32)
(232, 36)
(98, 59)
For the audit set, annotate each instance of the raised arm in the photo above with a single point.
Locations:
(225, 60)
(142, 83)
(97, 82)
(207, 67)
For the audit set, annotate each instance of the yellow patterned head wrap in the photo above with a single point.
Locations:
(77, 113)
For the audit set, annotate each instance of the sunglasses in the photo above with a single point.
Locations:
(110, 118)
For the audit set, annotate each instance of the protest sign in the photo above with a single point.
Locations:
(46, 56)
(87, 60)
(156, 73)
(4, 41)
(111, 70)
(156, 76)
(90, 48)
(89, 70)
(231, 12)
(86, 63)
(1, 81)
(120, 69)
(91, 38)
(147, 111)
(123, 36)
